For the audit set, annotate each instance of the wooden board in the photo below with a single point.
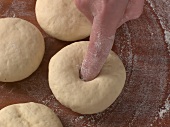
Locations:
(142, 45)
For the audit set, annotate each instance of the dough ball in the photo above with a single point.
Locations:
(21, 49)
(28, 115)
(80, 96)
(62, 20)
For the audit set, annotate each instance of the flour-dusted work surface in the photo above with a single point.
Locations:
(144, 47)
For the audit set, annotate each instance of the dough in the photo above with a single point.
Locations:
(21, 49)
(28, 115)
(84, 97)
(62, 20)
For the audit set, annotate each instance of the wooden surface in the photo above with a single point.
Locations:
(143, 47)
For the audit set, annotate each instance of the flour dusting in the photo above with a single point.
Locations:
(167, 39)
(163, 14)
(18, 8)
(165, 108)
(162, 10)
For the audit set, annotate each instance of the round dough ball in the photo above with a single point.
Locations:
(80, 96)
(62, 20)
(28, 115)
(21, 49)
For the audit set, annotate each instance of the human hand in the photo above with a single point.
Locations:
(106, 16)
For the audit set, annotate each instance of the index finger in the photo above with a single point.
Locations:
(102, 36)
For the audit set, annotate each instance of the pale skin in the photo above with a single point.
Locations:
(106, 16)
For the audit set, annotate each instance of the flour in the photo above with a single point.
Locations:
(165, 108)
(112, 37)
(14, 15)
(162, 13)
(18, 8)
(167, 39)
(162, 16)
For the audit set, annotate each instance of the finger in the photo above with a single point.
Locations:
(101, 40)
(133, 11)
(98, 50)
(85, 7)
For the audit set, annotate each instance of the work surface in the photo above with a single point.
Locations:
(142, 45)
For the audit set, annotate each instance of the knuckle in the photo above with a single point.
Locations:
(134, 15)
(137, 15)
(82, 3)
